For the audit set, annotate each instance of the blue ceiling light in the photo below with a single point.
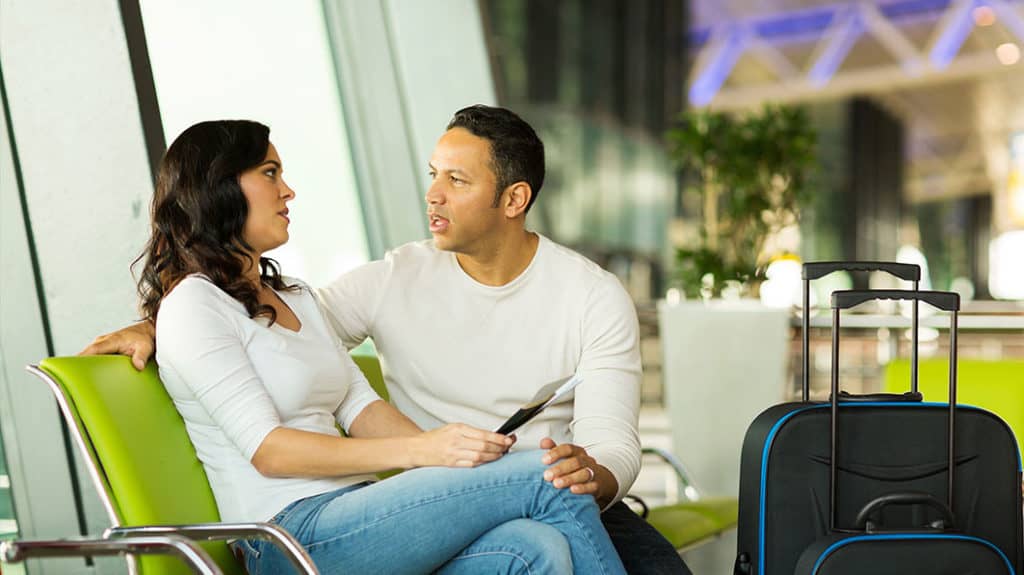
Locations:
(955, 29)
(834, 30)
(844, 35)
(721, 62)
(808, 24)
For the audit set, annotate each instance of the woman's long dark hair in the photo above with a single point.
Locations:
(198, 214)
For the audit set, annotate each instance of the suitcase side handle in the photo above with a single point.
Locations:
(864, 522)
(815, 270)
(949, 301)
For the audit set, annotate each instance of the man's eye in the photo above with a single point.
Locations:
(432, 174)
(458, 180)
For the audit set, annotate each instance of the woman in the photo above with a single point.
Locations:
(261, 384)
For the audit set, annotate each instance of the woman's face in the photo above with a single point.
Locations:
(267, 194)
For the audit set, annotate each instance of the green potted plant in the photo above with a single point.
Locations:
(751, 173)
(724, 361)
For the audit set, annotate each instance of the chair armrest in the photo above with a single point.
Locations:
(690, 491)
(219, 531)
(193, 555)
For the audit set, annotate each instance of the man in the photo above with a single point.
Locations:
(468, 326)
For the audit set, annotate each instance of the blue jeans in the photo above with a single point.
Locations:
(501, 517)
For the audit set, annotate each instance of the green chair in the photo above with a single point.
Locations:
(370, 366)
(696, 520)
(144, 467)
(997, 386)
(686, 524)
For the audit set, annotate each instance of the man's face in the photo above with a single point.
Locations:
(460, 200)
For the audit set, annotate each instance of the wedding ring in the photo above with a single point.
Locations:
(591, 471)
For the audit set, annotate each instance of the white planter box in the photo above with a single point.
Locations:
(723, 364)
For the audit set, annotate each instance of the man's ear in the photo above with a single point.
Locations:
(517, 197)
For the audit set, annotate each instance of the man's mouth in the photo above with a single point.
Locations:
(438, 224)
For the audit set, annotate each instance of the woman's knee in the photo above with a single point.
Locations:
(524, 461)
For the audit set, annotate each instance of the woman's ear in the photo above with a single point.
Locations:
(517, 198)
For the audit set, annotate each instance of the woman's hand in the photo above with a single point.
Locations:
(459, 445)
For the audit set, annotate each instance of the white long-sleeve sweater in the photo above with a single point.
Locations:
(455, 350)
(234, 380)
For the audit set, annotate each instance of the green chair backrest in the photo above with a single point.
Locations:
(997, 386)
(144, 460)
(371, 369)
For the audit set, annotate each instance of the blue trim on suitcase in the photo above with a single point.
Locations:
(838, 544)
(778, 425)
(764, 479)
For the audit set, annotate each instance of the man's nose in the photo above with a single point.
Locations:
(435, 195)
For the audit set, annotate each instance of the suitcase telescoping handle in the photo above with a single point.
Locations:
(846, 299)
(816, 270)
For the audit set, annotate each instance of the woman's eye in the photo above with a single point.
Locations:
(272, 172)
(458, 181)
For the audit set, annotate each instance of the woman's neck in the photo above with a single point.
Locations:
(251, 270)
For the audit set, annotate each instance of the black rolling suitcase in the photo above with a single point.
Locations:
(893, 462)
(870, 545)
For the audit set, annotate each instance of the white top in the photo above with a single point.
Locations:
(234, 380)
(455, 350)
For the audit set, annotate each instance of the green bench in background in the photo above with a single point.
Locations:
(997, 386)
(686, 524)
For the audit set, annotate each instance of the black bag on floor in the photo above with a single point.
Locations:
(885, 445)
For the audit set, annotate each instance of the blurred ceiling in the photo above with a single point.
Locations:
(951, 69)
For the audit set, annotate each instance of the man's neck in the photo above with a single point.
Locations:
(503, 263)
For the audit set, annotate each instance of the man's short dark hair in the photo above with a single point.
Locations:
(517, 154)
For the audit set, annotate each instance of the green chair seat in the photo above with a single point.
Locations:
(688, 524)
(724, 511)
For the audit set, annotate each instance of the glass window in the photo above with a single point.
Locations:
(270, 62)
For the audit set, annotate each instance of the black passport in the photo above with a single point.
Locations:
(544, 397)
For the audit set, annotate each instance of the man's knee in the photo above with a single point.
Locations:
(519, 546)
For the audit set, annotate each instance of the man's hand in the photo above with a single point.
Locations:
(578, 471)
(135, 340)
